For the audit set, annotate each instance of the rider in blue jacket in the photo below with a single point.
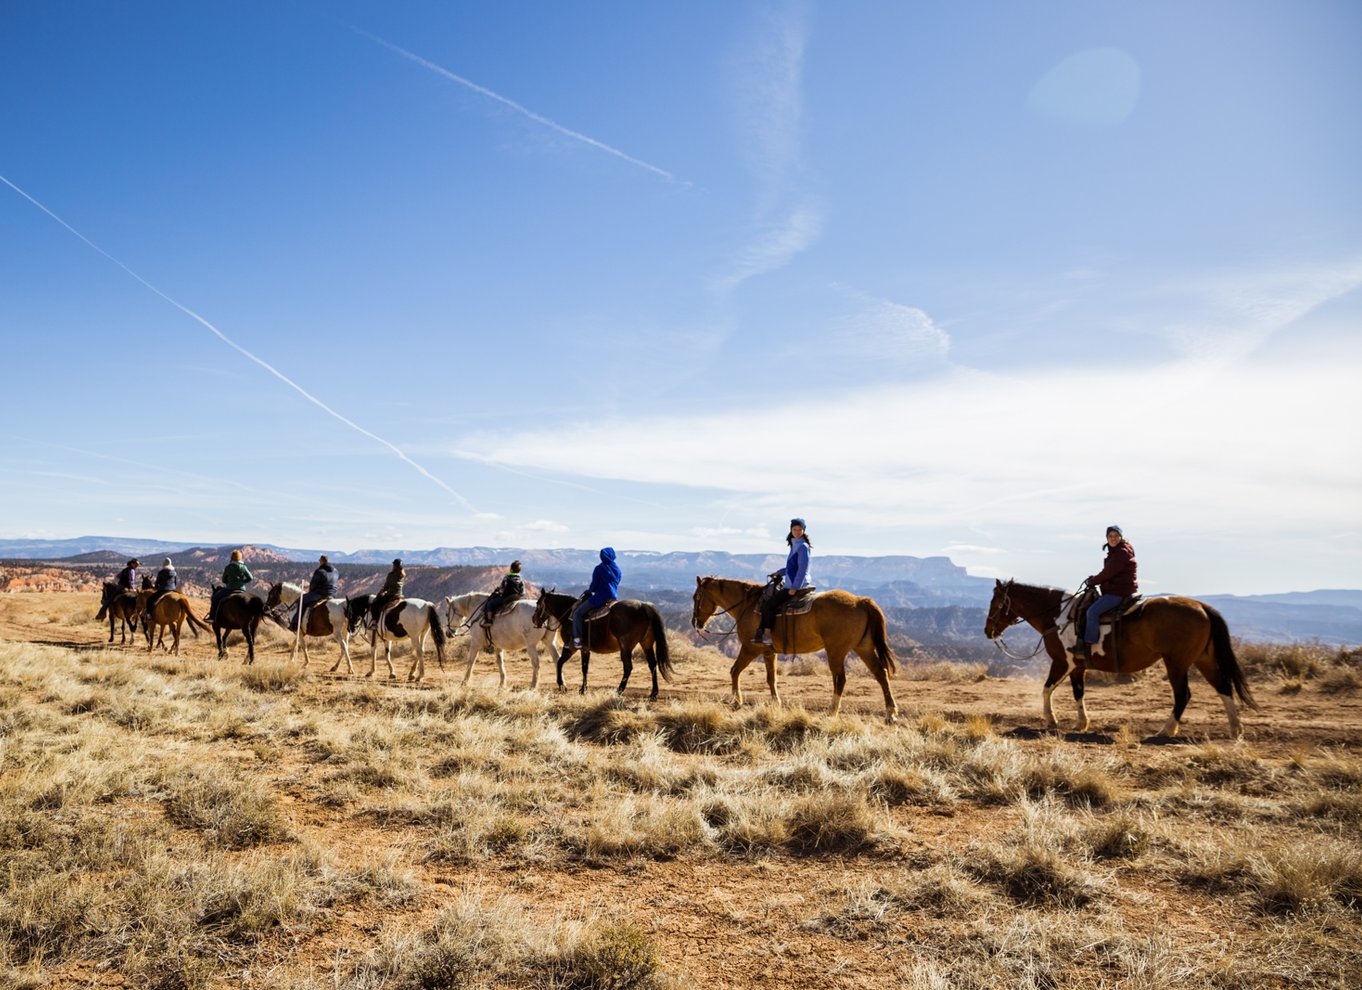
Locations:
(796, 575)
(605, 587)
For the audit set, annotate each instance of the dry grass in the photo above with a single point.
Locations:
(196, 824)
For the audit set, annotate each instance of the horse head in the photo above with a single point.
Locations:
(275, 596)
(702, 605)
(1001, 611)
(541, 609)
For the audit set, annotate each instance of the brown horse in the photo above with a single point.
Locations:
(1183, 632)
(237, 610)
(121, 607)
(838, 623)
(628, 624)
(171, 610)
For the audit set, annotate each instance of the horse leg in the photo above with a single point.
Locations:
(586, 662)
(1058, 668)
(1217, 679)
(175, 628)
(562, 659)
(876, 666)
(746, 654)
(839, 680)
(418, 661)
(111, 625)
(627, 659)
(472, 658)
(501, 668)
(1182, 693)
(217, 635)
(533, 651)
(770, 659)
(1077, 678)
(373, 651)
(650, 655)
(388, 659)
(249, 633)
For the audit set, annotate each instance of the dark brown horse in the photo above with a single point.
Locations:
(628, 624)
(1182, 632)
(121, 606)
(171, 610)
(838, 623)
(237, 610)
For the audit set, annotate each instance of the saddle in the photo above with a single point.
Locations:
(506, 607)
(1130, 607)
(601, 611)
(798, 603)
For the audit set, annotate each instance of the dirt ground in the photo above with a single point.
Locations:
(738, 922)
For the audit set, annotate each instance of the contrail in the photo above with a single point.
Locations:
(237, 347)
(537, 118)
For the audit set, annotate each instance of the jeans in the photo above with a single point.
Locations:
(579, 620)
(1096, 610)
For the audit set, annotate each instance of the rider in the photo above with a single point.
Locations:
(605, 586)
(1117, 581)
(392, 590)
(166, 581)
(512, 587)
(324, 584)
(127, 577)
(796, 574)
(235, 577)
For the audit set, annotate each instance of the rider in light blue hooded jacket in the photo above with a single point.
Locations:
(605, 587)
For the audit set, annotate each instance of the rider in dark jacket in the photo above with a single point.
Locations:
(127, 577)
(391, 591)
(166, 581)
(512, 587)
(325, 584)
(1116, 581)
(605, 587)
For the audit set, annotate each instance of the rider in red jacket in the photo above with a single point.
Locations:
(1116, 580)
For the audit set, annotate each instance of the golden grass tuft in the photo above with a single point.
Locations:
(232, 813)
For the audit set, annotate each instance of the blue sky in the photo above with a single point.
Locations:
(972, 279)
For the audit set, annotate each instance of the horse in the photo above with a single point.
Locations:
(1183, 632)
(328, 617)
(838, 623)
(171, 610)
(513, 629)
(121, 607)
(628, 624)
(238, 610)
(407, 618)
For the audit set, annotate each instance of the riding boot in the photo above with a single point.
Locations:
(762, 638)
(1081, 650)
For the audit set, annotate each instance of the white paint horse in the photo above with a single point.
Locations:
(324, 618)
(407, 618)
(512, 630)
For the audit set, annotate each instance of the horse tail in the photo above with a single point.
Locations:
(877, 627)
(1225, 658)
(194, 620)
(659, 631)
(437, 633)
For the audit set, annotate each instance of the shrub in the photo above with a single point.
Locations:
(235, 814)
(833, 822)
(618, 956)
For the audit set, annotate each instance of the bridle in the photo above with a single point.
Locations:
(748, 601)
(1006, 606)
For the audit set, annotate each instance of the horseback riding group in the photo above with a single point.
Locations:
(1106, 626)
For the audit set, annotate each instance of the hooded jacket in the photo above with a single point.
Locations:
(325, 582)
(235, 576)
(167, 579)
(1117, 576)
(605, 580)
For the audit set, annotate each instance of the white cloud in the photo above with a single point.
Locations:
(773, 247)
(1235, 313)
(892, 331)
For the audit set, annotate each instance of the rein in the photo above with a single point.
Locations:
(1002, 646)
(728, 610)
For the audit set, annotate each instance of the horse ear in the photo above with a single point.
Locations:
(697, 581)
(997, 582)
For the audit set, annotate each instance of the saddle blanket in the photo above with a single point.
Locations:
(800, 603)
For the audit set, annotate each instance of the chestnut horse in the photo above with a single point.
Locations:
(628, 624)
(171, 610)
(838, 623)
(1183, 632)
(121, 607)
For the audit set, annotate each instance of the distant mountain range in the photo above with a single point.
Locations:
(929, 599)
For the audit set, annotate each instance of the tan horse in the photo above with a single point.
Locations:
(172, 611)
(839, 623)
(1182, 632)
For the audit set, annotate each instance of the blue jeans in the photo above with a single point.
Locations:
(1096, 610)
(579, 620)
